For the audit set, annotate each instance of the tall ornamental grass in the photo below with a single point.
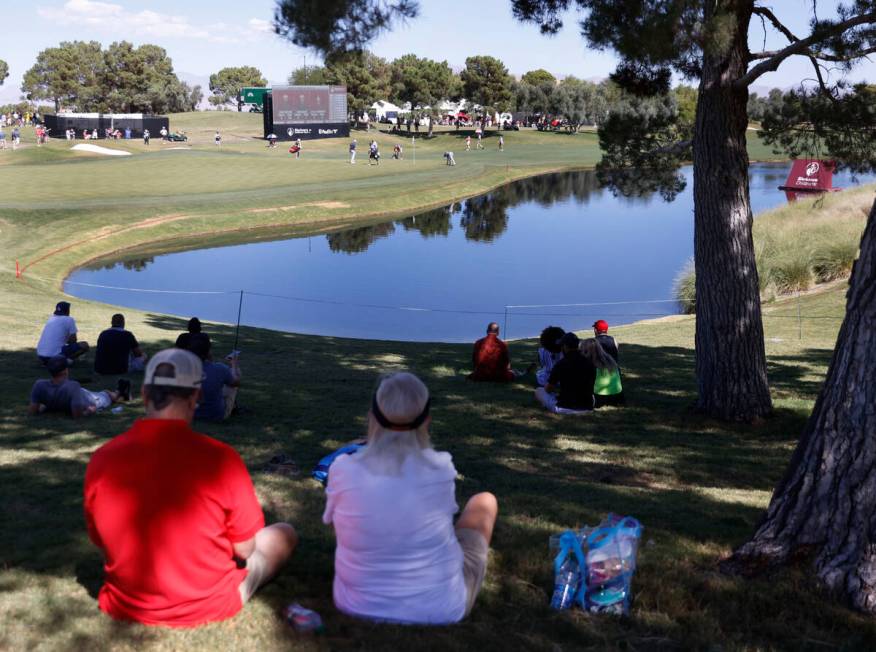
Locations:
(799, 245)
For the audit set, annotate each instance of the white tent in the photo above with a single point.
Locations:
(381, 107)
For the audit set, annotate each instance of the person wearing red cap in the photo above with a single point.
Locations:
(606, 341)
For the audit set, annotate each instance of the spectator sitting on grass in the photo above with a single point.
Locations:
(399, 556)
(59, 336)
(60, 394)
(607, 388)
(175, 513)
(221, 382)
(549, 353)
(118, 351)
(194, 326)
(573, 377)
(608, 343)
(491, 360)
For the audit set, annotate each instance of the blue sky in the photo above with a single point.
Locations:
(202, 36)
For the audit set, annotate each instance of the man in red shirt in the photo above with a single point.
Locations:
(175, 512)
(490, 358)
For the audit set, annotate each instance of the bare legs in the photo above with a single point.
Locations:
(275, 543)
(480, 515)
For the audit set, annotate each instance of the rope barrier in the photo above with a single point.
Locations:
(506, 309)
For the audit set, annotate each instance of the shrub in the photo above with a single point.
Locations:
(834, 261)
(685, 289)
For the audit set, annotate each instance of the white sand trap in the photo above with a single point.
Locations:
(97, 149)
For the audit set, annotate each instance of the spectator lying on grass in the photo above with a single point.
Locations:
(175, 512)
(399, 556)
(60, 394)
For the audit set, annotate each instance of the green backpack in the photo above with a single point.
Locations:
(608, 382)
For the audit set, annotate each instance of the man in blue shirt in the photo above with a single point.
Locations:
(220, 383)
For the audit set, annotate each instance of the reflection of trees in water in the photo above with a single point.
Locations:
(642, 183)
(431, 223)
(133, 264)
(483, 218)
(547, 189)
(354, 241)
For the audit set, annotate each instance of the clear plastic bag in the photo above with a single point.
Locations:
(609, 562)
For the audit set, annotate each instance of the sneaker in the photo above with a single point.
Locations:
(124, 388)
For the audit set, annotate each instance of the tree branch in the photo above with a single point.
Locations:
(763, 12)
(800, 47)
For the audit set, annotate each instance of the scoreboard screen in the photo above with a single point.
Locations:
(303, 105)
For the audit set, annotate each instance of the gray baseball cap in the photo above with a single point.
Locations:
(187, 369)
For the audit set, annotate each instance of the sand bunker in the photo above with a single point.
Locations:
(97, 149)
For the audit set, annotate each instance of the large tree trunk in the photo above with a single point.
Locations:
(730, 357)
(826, 504)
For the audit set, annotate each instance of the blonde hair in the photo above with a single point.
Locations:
(593, 351)
(401, 397)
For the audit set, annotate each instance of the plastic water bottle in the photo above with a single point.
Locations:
(303, 620)
(566, 585)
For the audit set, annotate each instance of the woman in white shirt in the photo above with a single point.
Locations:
(399, 556)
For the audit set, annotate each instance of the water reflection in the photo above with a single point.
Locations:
(356, 241)
(132, 264)
(430, 224)
(483, 218)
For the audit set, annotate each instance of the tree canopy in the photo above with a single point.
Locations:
(485, 81)
(538, 77)
(368, 78)
(316, 75)
(421, 81)
(225, 85)
(4, 71)
(80, 76)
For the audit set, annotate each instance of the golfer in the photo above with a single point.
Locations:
(353, 152)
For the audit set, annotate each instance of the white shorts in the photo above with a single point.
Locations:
(100, 400)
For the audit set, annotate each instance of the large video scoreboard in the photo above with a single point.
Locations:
(306, 112)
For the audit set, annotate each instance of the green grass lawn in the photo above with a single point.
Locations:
(697, 485)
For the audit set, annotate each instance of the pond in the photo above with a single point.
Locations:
(554, 249)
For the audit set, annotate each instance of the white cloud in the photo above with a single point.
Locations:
(259, 25)
(122, 23)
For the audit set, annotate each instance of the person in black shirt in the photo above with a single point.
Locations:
(118, 351)
(572, 379)
(184, 339)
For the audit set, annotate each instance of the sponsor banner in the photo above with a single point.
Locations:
(311, 131)
(810, 174)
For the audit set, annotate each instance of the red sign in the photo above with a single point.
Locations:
(810, 175)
